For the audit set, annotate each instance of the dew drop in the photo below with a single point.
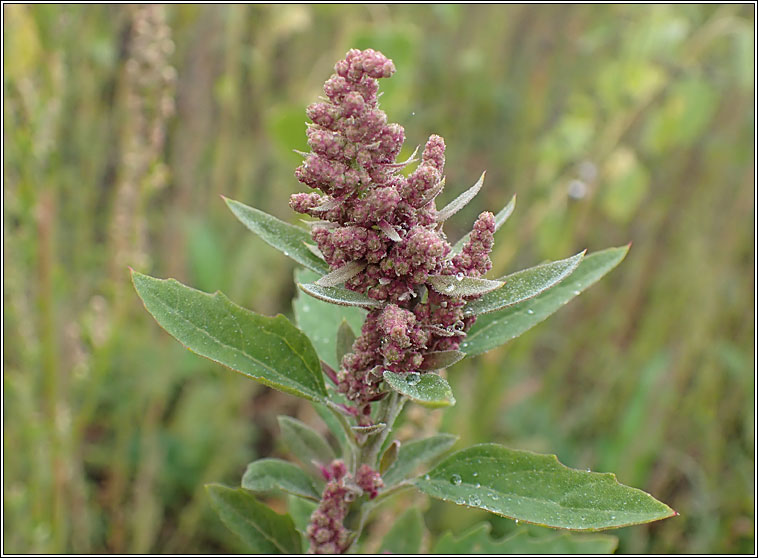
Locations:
(576, 292)
(413, 378)
(530, 311)
(459, 276)
(613, 517)
(477, 485)
(460, 501)
(516, 521)
(287, 254)
(456, 479)
(475, 474)
(494, 496)
(427, 477)
(449, 288)
(588, 470)
(474, 501)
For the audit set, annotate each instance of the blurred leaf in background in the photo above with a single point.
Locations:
(612, 123)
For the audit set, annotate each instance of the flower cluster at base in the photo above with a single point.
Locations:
(326, 531)
(369, 213)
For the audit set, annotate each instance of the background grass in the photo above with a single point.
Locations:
(123, 124)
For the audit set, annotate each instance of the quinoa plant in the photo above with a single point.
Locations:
(376, 258)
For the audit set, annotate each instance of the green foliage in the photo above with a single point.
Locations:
(412, 455)
(496, 328)
(406, 535)
(262, 529)
(477, 540)
(270, 350)
(288, 239)
(321, 320)
(268, 474)
(305, 443)
(132, 419)
(429, 389)
(523, 285)
(536, 488)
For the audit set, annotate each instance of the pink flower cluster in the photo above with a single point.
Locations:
(369, 212)
(326, 531)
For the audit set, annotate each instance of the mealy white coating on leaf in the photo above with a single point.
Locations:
(524, 284)
(341, 274)
(461, 201)
(453, 286)
(339, 295)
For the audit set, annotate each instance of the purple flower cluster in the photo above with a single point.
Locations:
(369, 212)
(326, 531)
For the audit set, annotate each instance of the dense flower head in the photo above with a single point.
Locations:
(325, 530)
(368, 211)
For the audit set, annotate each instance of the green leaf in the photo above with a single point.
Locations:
(341, 274)
(461, 201)
(428, 389)
(264, 530)
(339, 295)
(538, 489)
(332, 422)
(345, 340)
(301, 511)
(494, 329)
(412, 455)
(500, 218)
(321, 320)
(286, 238)
(456, 285)
(441, 359)
(270, 350)
(523, 285)
(477, 540)
(305, 443)
(265, 475)
(389, 457)
(406, 535)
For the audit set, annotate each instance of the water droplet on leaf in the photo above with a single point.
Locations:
(456, 479)
(530, 311)
(413, 378)
(459, 276)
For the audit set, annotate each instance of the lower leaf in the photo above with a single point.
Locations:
(538, 489)
(264, 530)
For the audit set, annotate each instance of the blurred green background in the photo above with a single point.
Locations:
(124, 124)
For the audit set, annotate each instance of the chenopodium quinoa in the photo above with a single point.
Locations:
(377, 243)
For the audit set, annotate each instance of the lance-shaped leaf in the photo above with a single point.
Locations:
(461, 201)
(538, 489)
(523, 285)
(389, 230)
(264, 530)
(345, 340)
(441, 359)
(406, 535)
(341, 274)
(389, 456)
(270, 350)
(286, 238)
(305, 443)
(478, 540)
(265, 475)
(500, 218)
(412, 455)
(428, 389)
(460, 286)
(339, 295)
(494, 329)
(320, 320)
